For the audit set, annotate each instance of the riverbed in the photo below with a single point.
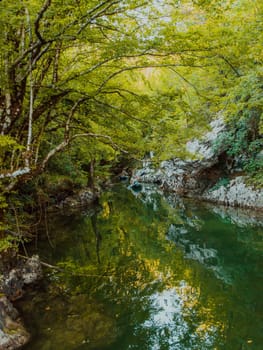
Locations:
(149, 272)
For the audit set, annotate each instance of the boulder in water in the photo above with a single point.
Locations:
(136, 186)
(12, 332)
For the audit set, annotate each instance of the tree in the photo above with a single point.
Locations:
(73, 70)
(56, 62)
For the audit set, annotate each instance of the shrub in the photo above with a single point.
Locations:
(224, 181)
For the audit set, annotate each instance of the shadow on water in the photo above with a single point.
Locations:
(151, 273)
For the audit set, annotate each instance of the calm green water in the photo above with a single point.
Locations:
(149, 273)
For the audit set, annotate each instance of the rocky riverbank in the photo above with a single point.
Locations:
(212, 177)
(16, 274)
(236, 193)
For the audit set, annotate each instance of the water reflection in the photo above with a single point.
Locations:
(149, 272)
(168, 324)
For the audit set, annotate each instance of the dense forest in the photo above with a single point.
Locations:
(95, 92)
(87, 85)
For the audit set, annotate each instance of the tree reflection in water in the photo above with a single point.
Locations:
(159, 274)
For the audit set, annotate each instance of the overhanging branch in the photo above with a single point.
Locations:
(38, 19)
(138, 67)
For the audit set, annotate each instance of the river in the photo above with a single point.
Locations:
(148, 272)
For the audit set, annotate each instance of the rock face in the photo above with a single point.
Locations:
(12, 332)
(185, 176)
(202, 177)
(236, 193)
(205, 147)
(24, 273)
(176, 175)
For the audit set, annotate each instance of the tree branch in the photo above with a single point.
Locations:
(230, 65)
(108, 3)
(15, 173)
(121, 111)
(101, 136)
(126, 69)
(38, 19)
(67, 138)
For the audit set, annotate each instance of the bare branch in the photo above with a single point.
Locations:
(15, 173)
(55, 150)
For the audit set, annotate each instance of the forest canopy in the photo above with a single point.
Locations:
(98, 80)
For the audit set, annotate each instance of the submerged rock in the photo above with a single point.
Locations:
(136, 186)
(71, 322)
(123, 178)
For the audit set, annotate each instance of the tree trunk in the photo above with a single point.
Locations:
(91, 181)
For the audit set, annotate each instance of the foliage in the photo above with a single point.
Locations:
(236, 140)
(256, 179)
(224, 181)
(8, 242)
(118, 79)
(243, 139)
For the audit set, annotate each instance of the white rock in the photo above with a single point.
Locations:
(204, 147)
(236, 193)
